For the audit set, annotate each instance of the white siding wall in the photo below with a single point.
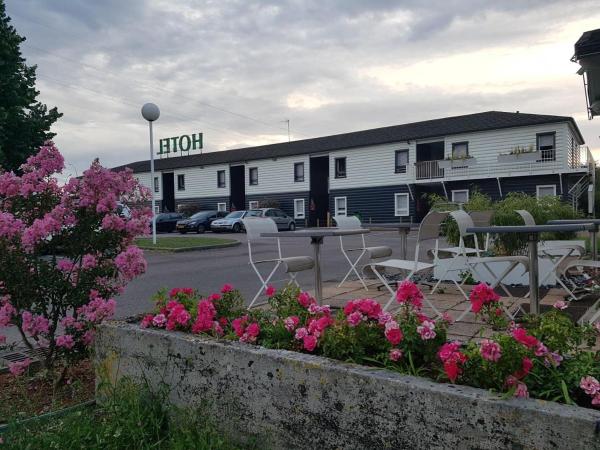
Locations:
(202, 182)
(371, 166)
(144, 179)
(277, 176)
(485, 146)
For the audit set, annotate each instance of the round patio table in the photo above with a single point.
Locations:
(593, 232)
(403, 230)
(316, 236)
(533, 237)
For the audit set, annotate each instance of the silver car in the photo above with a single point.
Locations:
(232, 222)
(281, 219)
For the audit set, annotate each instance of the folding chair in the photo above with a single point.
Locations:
(580, 264)
(480, 219)
(255, 226)
(353, 223)
(464, 222)
(429, 229)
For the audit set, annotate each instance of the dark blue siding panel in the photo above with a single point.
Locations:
(373, 204)
(202, 203)
(285, 200)
(487, 186)
(528, 185)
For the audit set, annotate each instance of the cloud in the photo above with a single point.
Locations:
(236, 70)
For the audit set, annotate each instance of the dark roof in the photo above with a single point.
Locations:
(485, 121)
(587, 45)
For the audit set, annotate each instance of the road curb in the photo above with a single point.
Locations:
(191, 249)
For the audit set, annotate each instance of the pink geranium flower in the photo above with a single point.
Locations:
(290, 323)
(426, 330)
(355, 318)
(305, 299)
(226, 288)
(270, 291)
(409, 293)
(520, 335)
(482, 294)
(395, 354)
(309, 342)
(490, 350)
(65, 341)
(560, 305)
(590, 385)
(393, 335)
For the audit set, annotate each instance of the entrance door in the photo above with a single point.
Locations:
(168, 199)
(423, 200)
(237, 192)
(319, 191)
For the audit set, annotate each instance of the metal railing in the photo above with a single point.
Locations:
(425, 170)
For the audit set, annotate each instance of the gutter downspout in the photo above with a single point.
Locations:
(499, 186)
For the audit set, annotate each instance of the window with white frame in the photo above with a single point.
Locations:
(221, 207)
(181, 182)
(546, 145)
(156, 185)
(460, 150)
(253, 175)
(340, 167)
(401, 205)
(299, 211)
(545, 190)
(401, 157)
(298, 172)
(460, 196)
(220, 178)
(340, 206)
(253, 204)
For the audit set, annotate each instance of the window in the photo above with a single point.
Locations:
(460, 150)
(156, 209)
(271, 213)
(546, 145)
(221, 207)
(299, 212)
(220, 178)
(460, 196)
(340, 167)
(340, 206)
(253, 204)
(298, 172)
(401, 161)
(156, 185)
(401, 207)
(545, 190)
(181, 182)
(253, 175)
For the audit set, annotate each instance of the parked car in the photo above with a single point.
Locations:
(167, 221)
(231, 222)
(199, 222)
(281, 219)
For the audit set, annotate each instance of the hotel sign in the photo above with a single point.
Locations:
(180, 144)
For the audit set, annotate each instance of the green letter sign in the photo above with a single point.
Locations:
(183, 143)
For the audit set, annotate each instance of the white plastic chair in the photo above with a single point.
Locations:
(255, 226)
(429, 229)
(353, 223)
(480, 219)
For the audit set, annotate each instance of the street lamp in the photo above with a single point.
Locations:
(150, 112)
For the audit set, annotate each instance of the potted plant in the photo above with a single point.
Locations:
(520, 154)
(452, 162)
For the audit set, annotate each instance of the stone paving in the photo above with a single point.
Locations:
(450, 301)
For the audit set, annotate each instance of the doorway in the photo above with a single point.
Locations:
(422, 198)
(237, 191)
(319, 191)
(168, 197)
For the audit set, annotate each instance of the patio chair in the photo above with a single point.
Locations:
(428, 230)
(559, 253)
(480, 219)
(353, 223)
(255, 226)
(474, 263)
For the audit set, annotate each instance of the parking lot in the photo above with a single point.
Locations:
(208, 270)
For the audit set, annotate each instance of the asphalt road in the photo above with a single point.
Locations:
(208, 270)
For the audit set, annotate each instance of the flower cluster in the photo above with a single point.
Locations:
(360, 310)
(246, 330)
(453, 359)
(591, 386)
(483, 295)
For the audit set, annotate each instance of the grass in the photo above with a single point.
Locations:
(182, 243)
(130, 417)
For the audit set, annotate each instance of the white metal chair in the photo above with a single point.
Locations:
(464, 222)
(255, 226)
(429, 229)
(353, 223)
(480, 219)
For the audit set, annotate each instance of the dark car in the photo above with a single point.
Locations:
(199, 222)
(167, 221)
(281, 219)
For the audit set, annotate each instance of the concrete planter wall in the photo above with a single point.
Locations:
(289, 400)
(456, 163)
(520, 157)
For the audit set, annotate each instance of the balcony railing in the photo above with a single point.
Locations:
(425, 170)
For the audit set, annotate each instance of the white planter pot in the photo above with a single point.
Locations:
(456, 163)
(520, 157)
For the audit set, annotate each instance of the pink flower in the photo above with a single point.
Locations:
(384, 318)
(395, 354)
(482, 294)
(301, 333)
(367, 307)
(305, 299)
(146, 321)
(394, 335)
(88, 337)
(355, 319)
(226, 288)
(18, 368)
(426, 330)
(7, 311)
(88, 262)
(131, 262)
(490, 350)
(541, 349)
(189, 292)
(65, 265)
(409, 293)
(520, 335)
(596, 400)
(520, 387)
(291, 323)
(65, 341)
(159, 320)
(560, 305)
(270, 291)
(590, 385)
(34, 325)
(309, 342)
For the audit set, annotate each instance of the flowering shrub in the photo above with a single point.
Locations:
(485, 303)
(65, 251)
(545, 357)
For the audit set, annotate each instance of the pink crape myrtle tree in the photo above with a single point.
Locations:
(65, 251)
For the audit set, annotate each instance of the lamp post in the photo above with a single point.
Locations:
(150, 112)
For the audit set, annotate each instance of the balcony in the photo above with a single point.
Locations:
(425, 170)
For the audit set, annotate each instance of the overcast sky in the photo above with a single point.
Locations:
(236, 70)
